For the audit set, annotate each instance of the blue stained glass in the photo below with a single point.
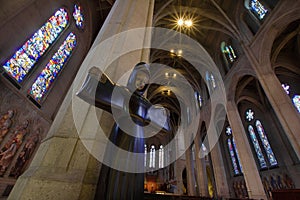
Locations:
(265, 143)
(296, 101)
(257, 148)
(237, 154)
(78, 16)
(232, 157)
(44, 80)
(258, 9)
(24, 58)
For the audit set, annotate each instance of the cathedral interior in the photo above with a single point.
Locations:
(213, 114)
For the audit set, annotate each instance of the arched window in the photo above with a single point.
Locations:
(237, 154)
(199, 100)
(204, 152)
(19, 65)
(295, 97)
(257, 8)
(145, 156)
(210, 80)
(78, 16)
(259, 154)
(234, 156)
(161, 156)
(228, 53)
(152, 157)
(262, 143)
(44, 80)
(265, 142)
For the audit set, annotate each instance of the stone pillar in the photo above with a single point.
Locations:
(219, 172)
(178, 168)
(190, 172)
(251, 175)
(62, 167)
(284, 109)
(279, 100)
(201, 169)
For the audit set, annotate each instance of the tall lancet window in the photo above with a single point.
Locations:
(152, 157)
(23, 60)
(198, 100)
(259, 154)
(161, 156)
(210, 81)
(145, 156)
(261, 142)
(233, 152)
(264, 140)
(44, 80)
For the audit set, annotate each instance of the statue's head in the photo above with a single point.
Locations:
(139, 78)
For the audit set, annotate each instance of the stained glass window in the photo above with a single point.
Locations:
(25, 57)
(228, 130)
(78, 16)
(249, 115)
(234, 156)
(257, 148)
(198, 100)
(237, 154)
(265, 143)
(229, 53)
(286, 88)
(161, 157)
(152, 157)
(44, 80)
(211, 80)
(258, 9)
(296, 101)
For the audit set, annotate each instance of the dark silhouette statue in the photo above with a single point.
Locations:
(100, 91)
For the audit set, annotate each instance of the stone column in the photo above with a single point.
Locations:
(279, 100)
(190, 172)
(284, 109)
(62, 167)
(178, 167)
(219, 172)
(201, 169)
(251, 175)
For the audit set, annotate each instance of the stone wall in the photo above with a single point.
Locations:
(21, 129)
